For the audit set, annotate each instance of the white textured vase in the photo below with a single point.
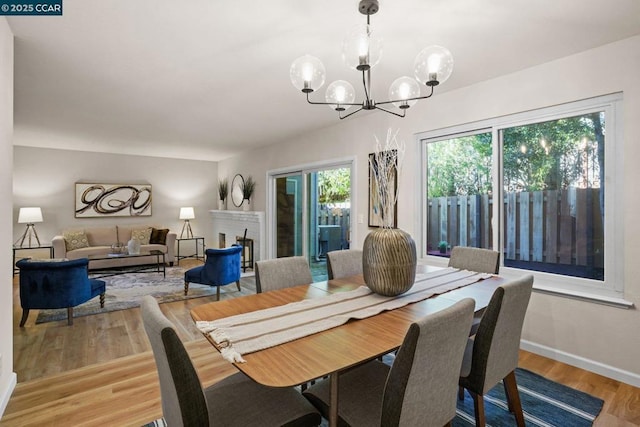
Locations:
(246, 205)
(133, 246)
(222, 205)
(389, 261)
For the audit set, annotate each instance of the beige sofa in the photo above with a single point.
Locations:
(99, 241)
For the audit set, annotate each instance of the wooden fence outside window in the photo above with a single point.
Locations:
(551, 226)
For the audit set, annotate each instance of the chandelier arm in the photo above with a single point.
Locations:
(408, 99)
(350, 114)
(331, 103)
(391, 112)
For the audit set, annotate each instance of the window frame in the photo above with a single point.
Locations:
(611, 290)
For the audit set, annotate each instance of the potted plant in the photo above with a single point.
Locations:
(223, 192)
(248, 188)
(443, 246)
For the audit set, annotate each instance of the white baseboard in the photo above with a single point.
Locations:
(6, 394)
(582, 363)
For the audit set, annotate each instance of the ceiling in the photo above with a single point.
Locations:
(206, 79)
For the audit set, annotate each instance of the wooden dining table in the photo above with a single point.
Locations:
(331, 352)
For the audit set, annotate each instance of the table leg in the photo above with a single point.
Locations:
(333, 400)
(164, 266)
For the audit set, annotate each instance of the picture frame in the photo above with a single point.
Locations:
(96, 200)
(376, 213)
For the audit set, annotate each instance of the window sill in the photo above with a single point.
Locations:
(552, 284)
(585, 296)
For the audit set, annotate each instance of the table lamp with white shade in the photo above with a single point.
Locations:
(29, 216)
(186, 214)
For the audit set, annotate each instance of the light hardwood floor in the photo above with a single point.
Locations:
(101, 371)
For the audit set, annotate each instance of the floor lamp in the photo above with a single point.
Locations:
(186, 214)
(29, 216)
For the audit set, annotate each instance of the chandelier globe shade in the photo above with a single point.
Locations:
(362, 48)
(340, 94)
(307, 73)
(433, 65)
(404, 88)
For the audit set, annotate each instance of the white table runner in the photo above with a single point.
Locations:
(257, 330)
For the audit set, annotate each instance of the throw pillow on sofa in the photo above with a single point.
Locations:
(159, 236)
(142, 235)
(75, 240)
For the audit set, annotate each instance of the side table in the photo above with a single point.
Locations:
(199, 254)
(26, 248)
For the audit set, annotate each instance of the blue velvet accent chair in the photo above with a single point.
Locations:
(56, 284)
(221, 267)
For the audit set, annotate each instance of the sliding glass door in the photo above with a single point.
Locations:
(312, 214)
(289, 196)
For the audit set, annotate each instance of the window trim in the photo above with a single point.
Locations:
(611, 290)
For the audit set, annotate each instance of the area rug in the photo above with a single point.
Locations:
(544, 403)
(126, 290)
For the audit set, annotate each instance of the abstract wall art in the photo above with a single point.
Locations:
(109, 200)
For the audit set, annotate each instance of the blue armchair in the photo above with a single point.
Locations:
(221, 267)
(56, 284)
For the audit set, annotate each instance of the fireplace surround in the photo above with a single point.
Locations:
(227, 225)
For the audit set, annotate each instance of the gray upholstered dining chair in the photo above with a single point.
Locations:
(419, 389)
(282, 273)
(235, 401)
(475, 259)
(344, 263)
(492, 354)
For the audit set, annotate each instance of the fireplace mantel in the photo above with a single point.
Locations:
(233, 224)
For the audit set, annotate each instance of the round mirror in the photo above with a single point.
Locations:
(236, 190)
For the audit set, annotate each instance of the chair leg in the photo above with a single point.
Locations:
(69, 316)
(238, 284)
(25, 314)
(506, 394)
(102, 300)
(478, 406)
(186, 288)
(217, 293)
(513, 397)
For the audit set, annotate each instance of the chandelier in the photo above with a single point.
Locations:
(361, 51)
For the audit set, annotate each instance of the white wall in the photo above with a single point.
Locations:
(46, 177)
(590, 335)
(7, 376)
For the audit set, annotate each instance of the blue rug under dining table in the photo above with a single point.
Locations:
(544, 403)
